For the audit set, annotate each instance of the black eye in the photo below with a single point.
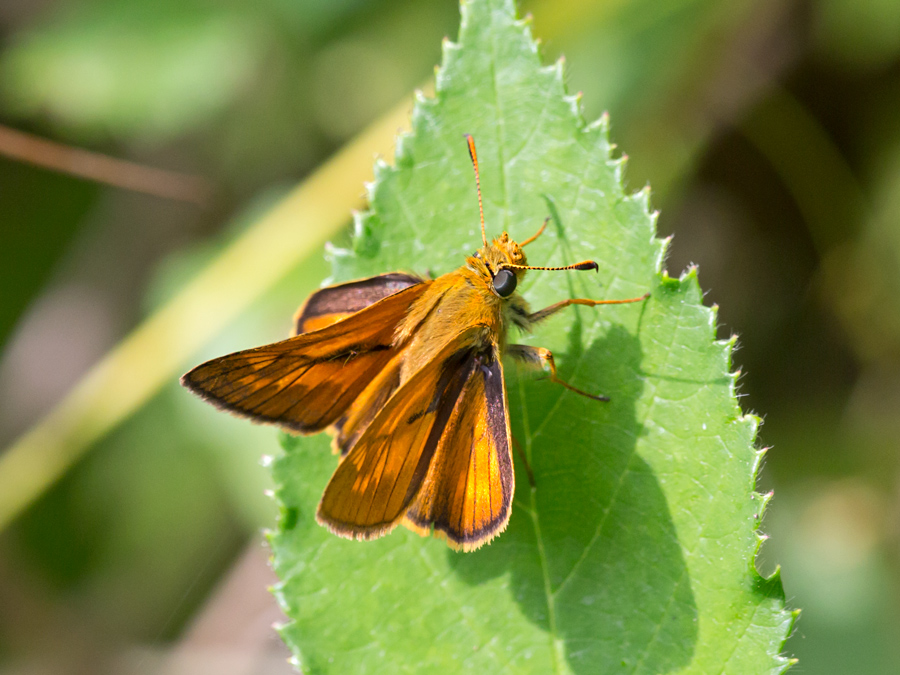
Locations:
(505, 283)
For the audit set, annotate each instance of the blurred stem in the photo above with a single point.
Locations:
(155, 352)
(102, 168)
(810, 166)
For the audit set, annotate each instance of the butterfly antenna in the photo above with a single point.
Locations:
(583, 265)
(536, 234)
(474, 156)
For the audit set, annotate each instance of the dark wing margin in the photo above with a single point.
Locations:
(329, 305)
(305, 383)
(467, 495)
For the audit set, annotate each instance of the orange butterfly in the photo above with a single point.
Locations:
(406, 373)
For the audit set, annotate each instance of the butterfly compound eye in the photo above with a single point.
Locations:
(505, 283)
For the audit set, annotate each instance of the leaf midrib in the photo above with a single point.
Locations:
(542, 556)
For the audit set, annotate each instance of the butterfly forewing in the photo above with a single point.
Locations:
(307, 382)
(350, 426)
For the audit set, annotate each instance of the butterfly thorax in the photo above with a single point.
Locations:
(460, 300)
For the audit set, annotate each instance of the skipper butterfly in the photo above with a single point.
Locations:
(407, 374)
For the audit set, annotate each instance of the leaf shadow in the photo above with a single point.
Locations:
(616, 594)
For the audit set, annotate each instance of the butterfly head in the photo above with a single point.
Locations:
(502, 263)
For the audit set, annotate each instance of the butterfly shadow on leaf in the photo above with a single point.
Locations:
(591, 550)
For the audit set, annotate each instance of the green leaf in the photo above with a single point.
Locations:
(635, 552)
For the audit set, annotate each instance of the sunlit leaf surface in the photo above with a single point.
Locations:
(634, 554)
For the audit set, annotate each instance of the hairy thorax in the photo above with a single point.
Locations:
(463, 300)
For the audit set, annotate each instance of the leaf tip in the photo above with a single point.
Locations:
(762, 499)
(403, 156)
(448, 47)
(332, 254)
(381, 168)
(753, 420)
(618, 165)
(574, 102)
(664, 244)
(690, 280)
(776, 573)
(642, 199)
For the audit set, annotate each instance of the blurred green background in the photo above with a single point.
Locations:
(768, 130)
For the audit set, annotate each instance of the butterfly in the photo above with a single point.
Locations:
(407, 374)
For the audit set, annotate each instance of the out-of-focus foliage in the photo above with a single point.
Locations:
(708, 98)
(259, 86)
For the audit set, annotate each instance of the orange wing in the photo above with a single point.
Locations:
(329, 305)
(305, 383)
(400, 460)
(467, 494)
(359, 414)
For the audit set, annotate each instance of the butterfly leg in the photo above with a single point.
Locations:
(539, 358)
(542, 314)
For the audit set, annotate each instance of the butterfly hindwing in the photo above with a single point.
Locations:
(467, 495)
(454, 407)
(333, 303)
(377, 480)
(305, 383)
